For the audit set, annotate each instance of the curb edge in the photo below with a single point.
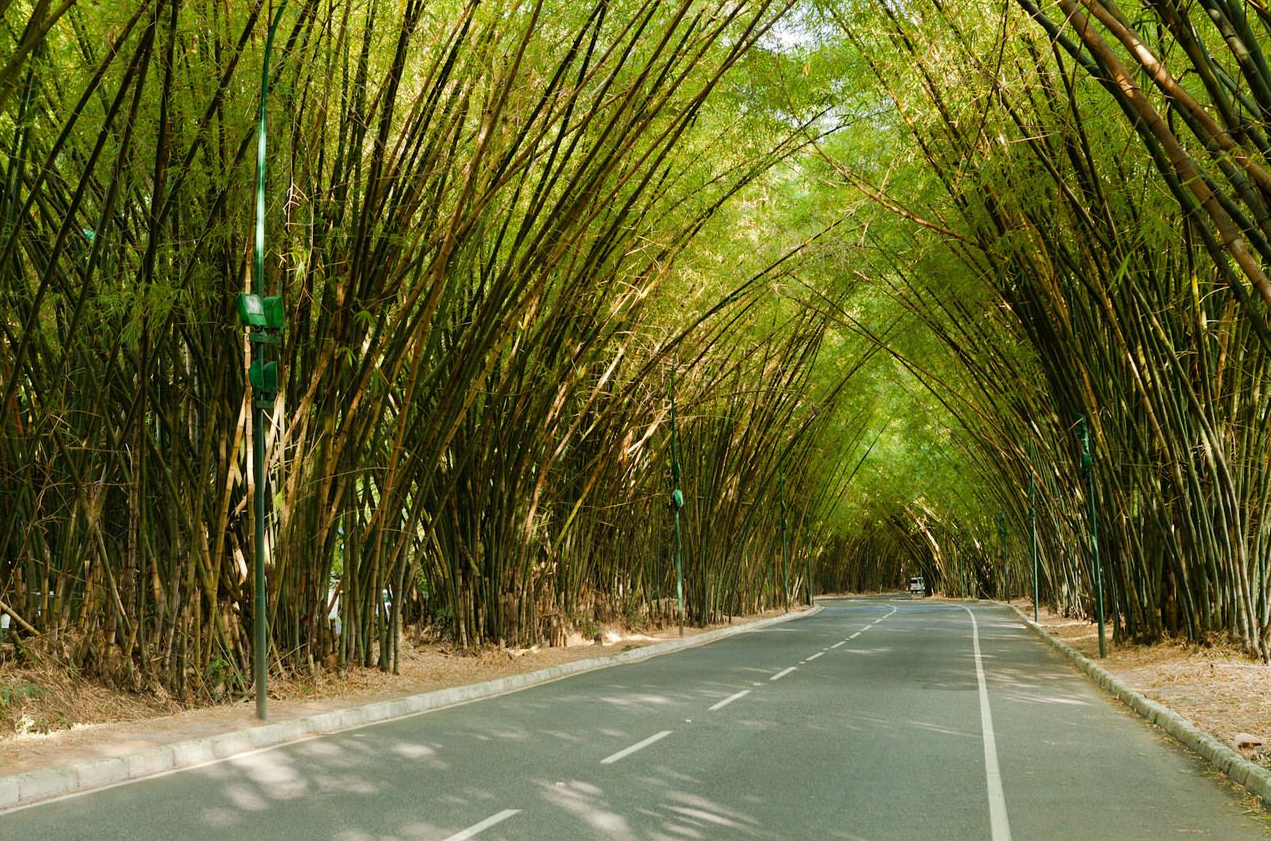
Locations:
(21, 790)
(1249, 775)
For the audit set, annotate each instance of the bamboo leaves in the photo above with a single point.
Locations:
(1070, 269)
(479, 214)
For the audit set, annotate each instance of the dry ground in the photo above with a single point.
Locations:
(50, 717)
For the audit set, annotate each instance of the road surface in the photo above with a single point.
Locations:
(874, 719)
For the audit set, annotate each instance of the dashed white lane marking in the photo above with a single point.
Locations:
(862, 630)
(783, 673)
(625, 752)
(1000, 826)
(734, 697)
(814, 656)
(472, 831)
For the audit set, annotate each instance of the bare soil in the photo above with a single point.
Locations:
(51, 717)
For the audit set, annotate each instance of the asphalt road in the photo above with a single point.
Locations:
(875, 719)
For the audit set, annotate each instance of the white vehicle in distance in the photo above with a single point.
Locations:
(917, 587)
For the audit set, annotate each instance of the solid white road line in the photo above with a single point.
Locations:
(814, 656)
(783, 673)
(484, 825)
(1000, 826)
(625, 752)
(734, 697)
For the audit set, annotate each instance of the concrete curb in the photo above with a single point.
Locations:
(1252, 777)
(21, 790)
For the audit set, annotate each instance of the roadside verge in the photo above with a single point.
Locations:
(20, 790)
(1252, 777)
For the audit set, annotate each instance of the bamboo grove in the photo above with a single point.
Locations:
(477, 211)
(1087, 240)
(883, 258)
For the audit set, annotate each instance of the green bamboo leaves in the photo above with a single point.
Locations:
(477, 211)
(1071, 262)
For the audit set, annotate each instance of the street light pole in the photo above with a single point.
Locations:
(1087, 470)
(785, 544)
(1006, 570)
(677, 502)
(262, 315)
(1032, 528)
(811, 582)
